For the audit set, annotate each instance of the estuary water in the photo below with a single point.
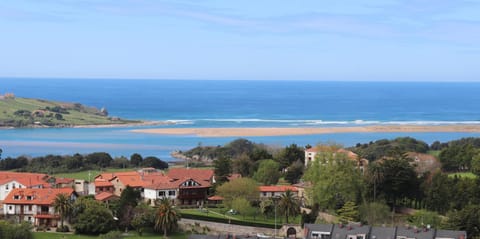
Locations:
(208, 103)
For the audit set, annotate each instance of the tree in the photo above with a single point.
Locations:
(335, 180)
(15, 231)
(348, 213)
(240, 188)
(154, 162)
(63, 205)
(437, 193)
(222, 169)
(129, 199)
(475, 164)
(375, 176)
(374, 213)
(143, 217)
(267, 172)
(167, 217)
(243, 165)
(289, 205)
(136, 159)
(243, 206)
(100, 159)
(265, 205)
(289, 155)
(400, 180)
(93, 218)
(294, 172)
(467, 219)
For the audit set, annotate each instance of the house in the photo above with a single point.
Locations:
(276, 190)
(106, 197)
(359, 231)
(12, 180)
(35, 205)
(161, 187)
(193, 184)
(135, 179)
(103, 185)
(311, 154)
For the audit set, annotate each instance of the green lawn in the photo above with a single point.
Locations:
(84, 174)
(434, 153)
(219, 213)
(132, 235)
(463, 175)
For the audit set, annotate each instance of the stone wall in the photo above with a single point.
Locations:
(215, 228)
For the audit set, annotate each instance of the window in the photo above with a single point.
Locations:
(29, 219)
(171, 193)
(29, 208)
(10, 208)
(16, 197)
(6, 187)
(265, 194)
(29, 197)
(161, 193)
(13, 185)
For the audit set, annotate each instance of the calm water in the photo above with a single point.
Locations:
(238, 104)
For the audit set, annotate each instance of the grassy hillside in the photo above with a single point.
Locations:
(24, 112)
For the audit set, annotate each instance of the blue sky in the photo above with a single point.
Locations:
(378, 40)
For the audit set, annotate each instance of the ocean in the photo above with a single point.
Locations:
(208, 103)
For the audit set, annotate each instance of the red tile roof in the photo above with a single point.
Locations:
(103, 196)
(64, 180)
(215, 198)
(102, 183)
(277, 188)
(202, 176)
(35, 196)
(26, 179)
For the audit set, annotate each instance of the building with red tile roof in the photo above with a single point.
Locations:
(194, 184)
(12, 180)
(35, 205)
(311, 153)
(276, 190)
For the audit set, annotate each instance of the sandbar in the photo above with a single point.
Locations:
(243, 132)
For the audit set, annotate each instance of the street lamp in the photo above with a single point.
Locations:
(275, 200)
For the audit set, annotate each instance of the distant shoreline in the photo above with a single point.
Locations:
(277, 131)
(91, 126)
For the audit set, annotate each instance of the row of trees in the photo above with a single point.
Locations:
(265, 164)
(456, 156)
(78, 162)
(89, 216)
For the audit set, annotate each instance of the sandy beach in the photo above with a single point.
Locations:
(240, 132)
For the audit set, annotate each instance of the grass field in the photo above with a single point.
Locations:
(463, 175)
(90, 173)
(219, 213)
(74, 115)
(132, 235)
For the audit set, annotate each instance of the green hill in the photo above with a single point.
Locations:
(25, 112)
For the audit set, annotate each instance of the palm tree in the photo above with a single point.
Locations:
(289, 204)
(167, 216)
(63, 205)
(375, 176)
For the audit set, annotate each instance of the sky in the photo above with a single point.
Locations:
(331, 40)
